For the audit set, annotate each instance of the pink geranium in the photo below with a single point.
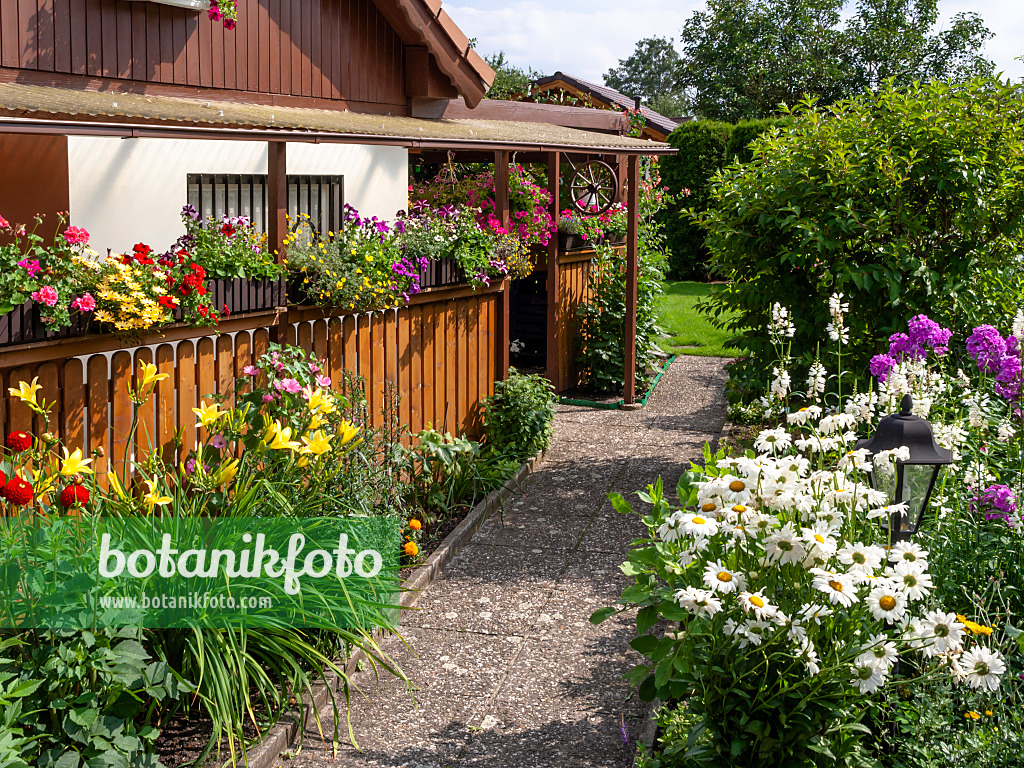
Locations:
(76, 236)
(84, 303)
(4, 224)
(46, 295)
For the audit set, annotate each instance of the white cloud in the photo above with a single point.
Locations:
(587, 37)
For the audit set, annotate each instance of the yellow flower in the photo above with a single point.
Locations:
(208, 415)
(347, 432)
(227, 472)
(27, 392)
(321, 401)
(317, 443)
(150, 376)
(74, 464)
(153, 499)
(279, 438)
(977, 629)
(972, 715)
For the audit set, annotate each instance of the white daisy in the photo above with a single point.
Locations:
(756, 603)
(981, 668)
(909, 578)
(802, 416)
(819, 541)
(784, 546)
(753, 632)
(839, 587)
(866, 558)
(760, 522)
(721, 579)
(880, 653)
(672, 529)
(868, 678)
(887, 603)
(887, 511)
(805, 650)
(773, 440)
(699, 601)
(939, 632)
(908, 551)
(699, 525)
(813, 612)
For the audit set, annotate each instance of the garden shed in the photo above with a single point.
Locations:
(122, 112)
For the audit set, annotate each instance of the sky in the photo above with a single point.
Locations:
(587, 37)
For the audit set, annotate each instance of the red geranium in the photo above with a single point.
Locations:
(227, 311)
(18, 491)
(167, 302)
(18, 441)
(74, 495)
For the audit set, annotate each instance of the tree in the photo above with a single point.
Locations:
(742, 58)
(652, 73)
(508, 80)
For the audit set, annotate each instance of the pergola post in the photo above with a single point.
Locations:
(553, 363)
(277, 223)
(632, 212)
(501, 210)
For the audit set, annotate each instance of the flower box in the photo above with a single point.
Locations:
(569, 242)
(24, 324)
(440, 273)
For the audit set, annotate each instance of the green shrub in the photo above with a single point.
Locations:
(899, 200)
(738, 148)
(701, 146)
(518, 417)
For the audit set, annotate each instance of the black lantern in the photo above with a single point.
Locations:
(913, 480)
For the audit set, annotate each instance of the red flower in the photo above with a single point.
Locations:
(197, 270)
(18, 441)
(74, 495)
(227, 230)
(18, 492)
(203, 310)
(3, 482)
(227, 311)
(167, 302)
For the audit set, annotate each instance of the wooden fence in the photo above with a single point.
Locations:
(573, 292)
(440, 352)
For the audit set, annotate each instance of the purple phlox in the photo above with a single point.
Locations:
(997, 502)
(1001, 357)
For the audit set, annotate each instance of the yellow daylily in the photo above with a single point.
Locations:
(347, 432)
(208, 415)
(321, 401)
(149, 375)
(227, 472)
(153, 499)
(74, 464)
(116, 486)
(27, 392)
(279, 438)
(317, 443)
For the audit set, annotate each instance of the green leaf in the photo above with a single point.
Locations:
(601, 614)
(635, 594)
(644, 644)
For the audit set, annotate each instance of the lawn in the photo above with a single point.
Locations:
(688, 331)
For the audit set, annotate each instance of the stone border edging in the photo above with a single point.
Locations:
(283, 735)
(650, 726)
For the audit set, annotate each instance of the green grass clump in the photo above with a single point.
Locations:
(688, 331)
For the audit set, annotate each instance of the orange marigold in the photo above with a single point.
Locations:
(411, 549)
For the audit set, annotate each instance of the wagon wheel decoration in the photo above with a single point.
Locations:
(593, 187)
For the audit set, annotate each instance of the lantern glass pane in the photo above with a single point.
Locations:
(883, 478)
(917, 481)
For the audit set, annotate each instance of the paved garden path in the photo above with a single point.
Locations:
(510, 673)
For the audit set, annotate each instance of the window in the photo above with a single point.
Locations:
(322, 197)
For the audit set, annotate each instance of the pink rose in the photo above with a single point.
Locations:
(46, 295)
(84, 303)
(76, 236)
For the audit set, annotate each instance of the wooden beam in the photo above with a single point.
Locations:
(632, 213)
(501, 210)
(277, 215)
(554, 173)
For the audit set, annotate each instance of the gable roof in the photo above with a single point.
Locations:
(609, 96)
(425, 22)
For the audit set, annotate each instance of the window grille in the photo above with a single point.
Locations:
(322, 197)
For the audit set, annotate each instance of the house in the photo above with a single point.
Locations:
(123, 111)
(576, 90)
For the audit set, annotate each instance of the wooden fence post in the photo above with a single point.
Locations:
(277, 223)
(554, 174)
(632, 212)
(501, 210)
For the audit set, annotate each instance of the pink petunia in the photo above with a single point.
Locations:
(76, 236)
(46, 295)
(31, 266)
(250, 370)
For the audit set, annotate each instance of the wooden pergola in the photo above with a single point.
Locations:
(95, 114)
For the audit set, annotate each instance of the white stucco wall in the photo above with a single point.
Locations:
(126, 191)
